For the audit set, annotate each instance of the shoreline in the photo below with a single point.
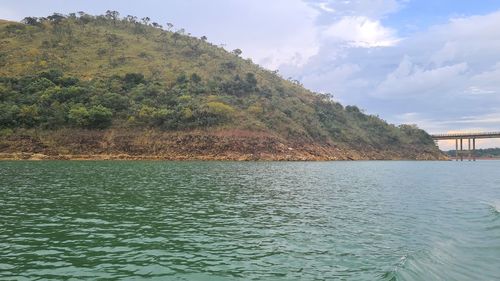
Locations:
(25, 156)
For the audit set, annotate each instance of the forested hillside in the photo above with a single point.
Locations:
(122, 87)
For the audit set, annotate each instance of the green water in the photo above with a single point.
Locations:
(250, 221)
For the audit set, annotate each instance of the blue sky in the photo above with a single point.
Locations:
(432, 63)
(423, 14)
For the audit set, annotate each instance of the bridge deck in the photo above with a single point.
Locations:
(483, 135)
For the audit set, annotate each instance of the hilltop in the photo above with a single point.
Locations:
(83, 86)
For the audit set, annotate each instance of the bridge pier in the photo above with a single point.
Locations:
(461, 149)
(473, 149)
(468, 150)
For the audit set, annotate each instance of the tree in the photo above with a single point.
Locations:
(176, 36)
(181, 79)
(153, 116)
(31, 21)
(131, 19)
(169, 26)
(156, 25)
(75, 94)
(97, 117)
(112, 15)
(229, 65)
(84, 18)
(100, 117)
(353, 109)
(145, 20)
(133, 79)
(251, 80)
(8, 115)
(37, 85)
(56, 18)
(53, 75)
(204, 38)
(237, 52)
(78, 115)
(195, 78)
(113, 101)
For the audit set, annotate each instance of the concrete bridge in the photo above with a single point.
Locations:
(460, 152)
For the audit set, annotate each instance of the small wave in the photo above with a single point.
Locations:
(392, 275)
(494, 205)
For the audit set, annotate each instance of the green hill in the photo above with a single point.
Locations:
(105, 86)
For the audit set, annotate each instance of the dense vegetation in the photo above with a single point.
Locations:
(49, 101)
(107, 72)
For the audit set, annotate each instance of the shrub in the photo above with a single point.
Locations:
(79, 116)
(220, 109)
(8, 115)
(113, 101)
(100, 117)
(133, 79)
(53, 75)
(28, 115)
(153, 116)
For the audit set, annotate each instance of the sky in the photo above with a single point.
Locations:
(432, 63)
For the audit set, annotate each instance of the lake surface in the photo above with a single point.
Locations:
(250, 221)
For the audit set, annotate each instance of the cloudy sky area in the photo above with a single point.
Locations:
(431, 63)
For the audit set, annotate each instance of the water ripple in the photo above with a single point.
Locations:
(249, 221)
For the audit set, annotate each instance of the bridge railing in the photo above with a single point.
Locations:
(466, 134)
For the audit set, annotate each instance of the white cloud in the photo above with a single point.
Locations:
(367, 8)
(325, 7)
(359, 31)
(441, 74)
(272, 33)
(337, 74)
(411, 80)
(432, 125)
(487, 82)
(285, 32)
(480, 120)
(335, 77)
(473, 90)
(446, 54)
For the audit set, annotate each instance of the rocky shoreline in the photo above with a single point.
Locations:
(250, 157)
(234, 145)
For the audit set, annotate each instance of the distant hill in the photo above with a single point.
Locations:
(100, 86)
(481, 153)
